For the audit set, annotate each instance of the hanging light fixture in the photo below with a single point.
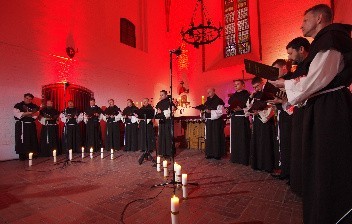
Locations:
(203, 33)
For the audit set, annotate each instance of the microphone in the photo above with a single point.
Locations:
(177, 51)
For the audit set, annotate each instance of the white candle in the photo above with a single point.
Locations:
(174, 209)
(184, 192)
(70, 154)
(165, 163)
(112, 154)
(166, 173)
(158, 167)
(91, 153)
(175, 201)
(54, 153)
(158, 164)
(54, 159)
(175, 165)
(184, 179)
(178, 174)
(30, 156)
(101, 153)
(82, 152)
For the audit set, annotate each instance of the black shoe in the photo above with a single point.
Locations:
(217, 158)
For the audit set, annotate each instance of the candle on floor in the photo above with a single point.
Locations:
(112, 154)
(165, 163)
(175, 202)
(91, 153)
(82, 152)
(30, 157)
(54, 153)
(184, 179)
(158, 164)
(184, 192)
(70, 154)
(175, 165)
(166, 173)
(178, 174)
(101, 153)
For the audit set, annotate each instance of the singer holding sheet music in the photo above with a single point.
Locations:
(49, 136)
(240, 126)
(112, 116)
(150, 129)
(262, 140)
(92, 117)
(214, 126)
(327, 125)
(71, 136)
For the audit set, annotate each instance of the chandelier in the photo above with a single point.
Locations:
(203, 33)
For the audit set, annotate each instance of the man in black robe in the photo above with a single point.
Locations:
(131, 126)
(284, 127)
(112, 117)
(240, 126)
(71, 136)
(26, 140)
(49, 136)
(164, 114)
(214, 126)
(142, 140)
(92, 117)
(297, 51)
(262, 140)
(327, 125)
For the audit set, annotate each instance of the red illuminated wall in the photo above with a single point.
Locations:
(33, 31)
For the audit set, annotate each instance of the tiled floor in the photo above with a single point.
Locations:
(97, 191)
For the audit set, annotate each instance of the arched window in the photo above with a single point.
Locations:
(127, 32)
(237, 35)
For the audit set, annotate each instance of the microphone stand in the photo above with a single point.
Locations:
(177, 52)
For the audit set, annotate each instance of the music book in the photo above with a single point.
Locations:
(261, 70)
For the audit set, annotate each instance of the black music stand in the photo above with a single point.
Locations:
(146, 114)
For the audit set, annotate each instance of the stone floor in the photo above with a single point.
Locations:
(97, 191)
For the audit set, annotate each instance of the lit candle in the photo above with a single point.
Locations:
(82, 152)
(101, 153)
(184, 179)
(112, 154)
(54, 153)
(184, 192)
(70, 154)
(178, 174)
(175, 202)
(91, 153)
(175, 165)
(30, 157)
(165, 163)
(158, 164)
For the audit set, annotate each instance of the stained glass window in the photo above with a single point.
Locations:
(237, 33)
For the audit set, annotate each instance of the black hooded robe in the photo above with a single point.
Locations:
(49, 136)
(240, 131)
(215, 137)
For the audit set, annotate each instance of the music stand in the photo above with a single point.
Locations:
(146, 114)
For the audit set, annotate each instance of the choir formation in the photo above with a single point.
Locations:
(306, 133)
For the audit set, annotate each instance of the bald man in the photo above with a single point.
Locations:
(214, 125)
